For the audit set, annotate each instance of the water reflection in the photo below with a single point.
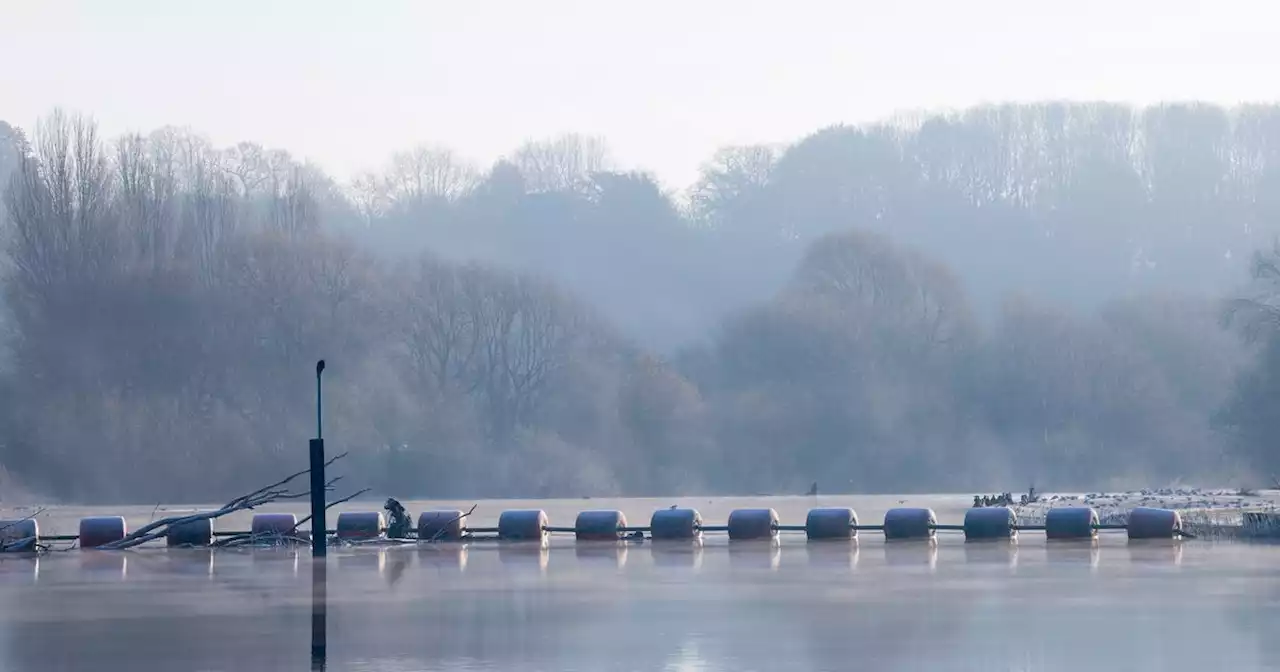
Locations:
(443, 557)
(764, 554)
(319, 612)
(677, 553)
(833, 554)
(18, 569)
(992, 552)
(524, 555)
(188, 562)
(396, 565)
(104, 564)
(361, 560)
(275, 561)
(1156, 551)
(601, 553)
(1083, 553)
(911, 553)
(596, 614)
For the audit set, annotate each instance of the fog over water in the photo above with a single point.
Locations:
(1032, 605)
(571, 255)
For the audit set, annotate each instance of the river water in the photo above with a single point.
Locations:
(792, 605)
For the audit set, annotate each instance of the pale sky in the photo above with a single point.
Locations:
(347, 83)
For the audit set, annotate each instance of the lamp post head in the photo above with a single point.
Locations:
(319, 368)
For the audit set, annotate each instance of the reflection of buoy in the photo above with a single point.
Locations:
(1081, 553)
(993, 552)
(190, 561)
(1156, 551)
(443, 556)
(911, 553)
(834, 554)
(677, 554)
(275, 559)
(20, 569)
(363, 560)
(105, 563)
(601, 553)
(525, 555)
(756, 554)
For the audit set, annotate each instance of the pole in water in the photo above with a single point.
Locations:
(319, 570)
(318, 526)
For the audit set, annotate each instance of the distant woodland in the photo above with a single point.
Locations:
(1065, 295)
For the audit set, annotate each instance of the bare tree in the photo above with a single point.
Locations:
(292, 208)
(427, 172)
(257, 170)
(442, 327)
(732, 174)
(147, 201)
(370, 195)
(563, 163)
(60, 206)
(1257, 317)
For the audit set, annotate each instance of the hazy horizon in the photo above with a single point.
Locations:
(347, 86)
(1019, 290)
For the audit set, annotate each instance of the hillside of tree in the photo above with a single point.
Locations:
(1071, 295)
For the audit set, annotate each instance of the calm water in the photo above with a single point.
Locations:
(790, 606)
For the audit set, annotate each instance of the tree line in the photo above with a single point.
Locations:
(1057, 293)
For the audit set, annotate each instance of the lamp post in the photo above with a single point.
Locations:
(318, 526)
(319, 570)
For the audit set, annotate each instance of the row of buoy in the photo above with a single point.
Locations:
(821, 523)
(664, 524)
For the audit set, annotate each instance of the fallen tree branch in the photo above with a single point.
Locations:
(262, 538)
(19, 545)
(328, 487)
(266, 495)
(266, 490)
(332, 504)
(251, 539)
(21, 520)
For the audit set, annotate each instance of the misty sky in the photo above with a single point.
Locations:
(347, 83)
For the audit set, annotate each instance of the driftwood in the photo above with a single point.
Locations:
(274, 538)
(264, 495)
